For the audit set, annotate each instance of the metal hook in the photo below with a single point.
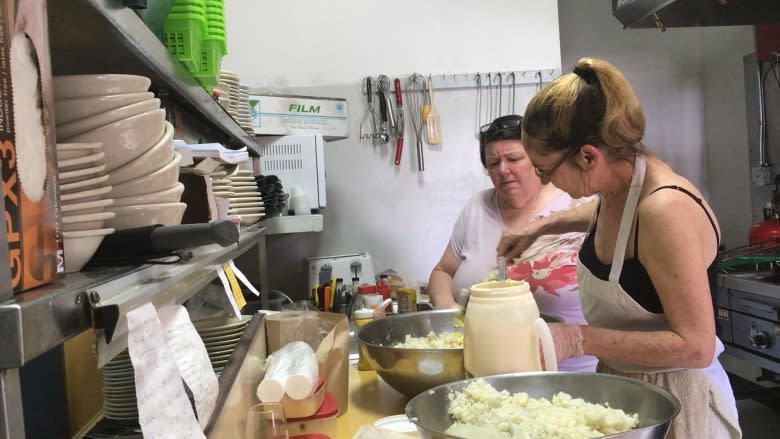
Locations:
(490, 96)
(514, 88)
(500, 91)
(541, 84)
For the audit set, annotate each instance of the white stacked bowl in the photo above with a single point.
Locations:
(240, 189)
(83, 187)
(142, 168)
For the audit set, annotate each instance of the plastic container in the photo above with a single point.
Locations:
(321, 422)
(183, 34)
(362, 317)
(308, 406)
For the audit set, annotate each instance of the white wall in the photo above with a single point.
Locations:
(690, 83)
(403, 218)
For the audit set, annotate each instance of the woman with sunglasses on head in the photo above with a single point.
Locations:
(517, 198)
(647, 269)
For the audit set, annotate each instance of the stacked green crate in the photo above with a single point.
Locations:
(184, 30)
(214, 44)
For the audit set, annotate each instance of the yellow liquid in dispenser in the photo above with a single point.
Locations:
(362, 317)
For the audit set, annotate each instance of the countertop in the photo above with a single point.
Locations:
(370, 399)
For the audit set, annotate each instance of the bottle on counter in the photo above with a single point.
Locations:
(361, 317)
(383, 288)
(406, 299)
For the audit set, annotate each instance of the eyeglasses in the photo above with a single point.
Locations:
(546, 175)
(502, 123)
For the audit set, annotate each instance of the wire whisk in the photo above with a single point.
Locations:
(415, 97)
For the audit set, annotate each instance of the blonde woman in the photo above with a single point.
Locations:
(646, 270)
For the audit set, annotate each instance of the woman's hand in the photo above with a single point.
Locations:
(513, 244)
(567, 339)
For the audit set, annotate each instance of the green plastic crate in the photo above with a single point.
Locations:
(183, 35)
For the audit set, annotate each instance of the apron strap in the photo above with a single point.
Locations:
(627, 220)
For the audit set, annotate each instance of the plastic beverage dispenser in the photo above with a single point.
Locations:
(502, 329)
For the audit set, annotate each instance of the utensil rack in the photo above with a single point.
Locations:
(456, 81)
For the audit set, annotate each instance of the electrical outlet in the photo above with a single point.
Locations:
(763, 175)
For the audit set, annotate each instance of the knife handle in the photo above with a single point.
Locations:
(167, 238)
(399, 147)
(398, 100)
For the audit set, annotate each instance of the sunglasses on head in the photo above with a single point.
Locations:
(502, 123)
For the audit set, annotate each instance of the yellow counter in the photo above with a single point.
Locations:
(370, 398)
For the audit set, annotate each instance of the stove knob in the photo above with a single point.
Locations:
(759, 339)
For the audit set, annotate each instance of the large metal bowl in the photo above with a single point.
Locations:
(656, 407)
(411, 371)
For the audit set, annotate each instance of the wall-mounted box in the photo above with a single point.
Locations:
(283, 115)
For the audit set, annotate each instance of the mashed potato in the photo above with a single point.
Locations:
(446, 340)
(480, 411)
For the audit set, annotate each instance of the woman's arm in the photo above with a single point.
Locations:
(440, 282)
(514, 242)
(676, 245)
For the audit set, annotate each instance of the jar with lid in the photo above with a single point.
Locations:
(362, 317)
(502, 329)
(407, 299)
(369, 298)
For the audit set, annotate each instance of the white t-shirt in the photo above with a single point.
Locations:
(549, 265)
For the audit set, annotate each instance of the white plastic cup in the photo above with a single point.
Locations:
(299, 203)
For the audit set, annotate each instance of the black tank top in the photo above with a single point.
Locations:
(634, 278)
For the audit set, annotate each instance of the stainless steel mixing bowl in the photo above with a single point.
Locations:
(656, 407)
(411, 371)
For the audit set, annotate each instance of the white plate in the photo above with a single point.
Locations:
(244, 189)
(397, 423)
(246, 211)
(250, 219)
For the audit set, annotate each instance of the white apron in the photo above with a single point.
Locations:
(708, 406)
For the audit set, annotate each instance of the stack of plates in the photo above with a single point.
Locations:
(220, 335)
(243, 195)
(229, 93)
(244, 115)
(119, 401)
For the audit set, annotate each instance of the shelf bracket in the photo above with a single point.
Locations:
(104, 317)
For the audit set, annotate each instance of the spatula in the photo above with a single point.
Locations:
(432, 121)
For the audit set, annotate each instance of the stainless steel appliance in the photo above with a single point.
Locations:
(748, 317)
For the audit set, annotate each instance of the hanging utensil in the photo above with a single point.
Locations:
(432, 122)
(514, 89)
(368, 124)
(478, 79)
(382, 136)
(500, 93)
(385, 109)
(415, 89)
(399, 122)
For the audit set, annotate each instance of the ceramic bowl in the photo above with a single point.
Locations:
(80, 246)
(161, 152)
(85, 221)
(126, 139)
(82, 185)
(74, 86)
(81, 174)
(80, 208)
(68, 110)
(158, 180)
(86, 195)
(89, 123)
(128, 217)
(67, 151)
(85, 161)
(170, 195)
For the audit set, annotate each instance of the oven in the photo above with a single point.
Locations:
(748, 317)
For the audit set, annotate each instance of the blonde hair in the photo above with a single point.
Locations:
(594, 104)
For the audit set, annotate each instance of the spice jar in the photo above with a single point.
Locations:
(362, 317)
(407, 299)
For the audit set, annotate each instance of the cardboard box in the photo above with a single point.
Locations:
(27, 146)
(283, 115)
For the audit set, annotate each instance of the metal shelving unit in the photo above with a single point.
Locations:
(37, 320)
(104, 36)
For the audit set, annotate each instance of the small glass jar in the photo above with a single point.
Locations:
(362, 317)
